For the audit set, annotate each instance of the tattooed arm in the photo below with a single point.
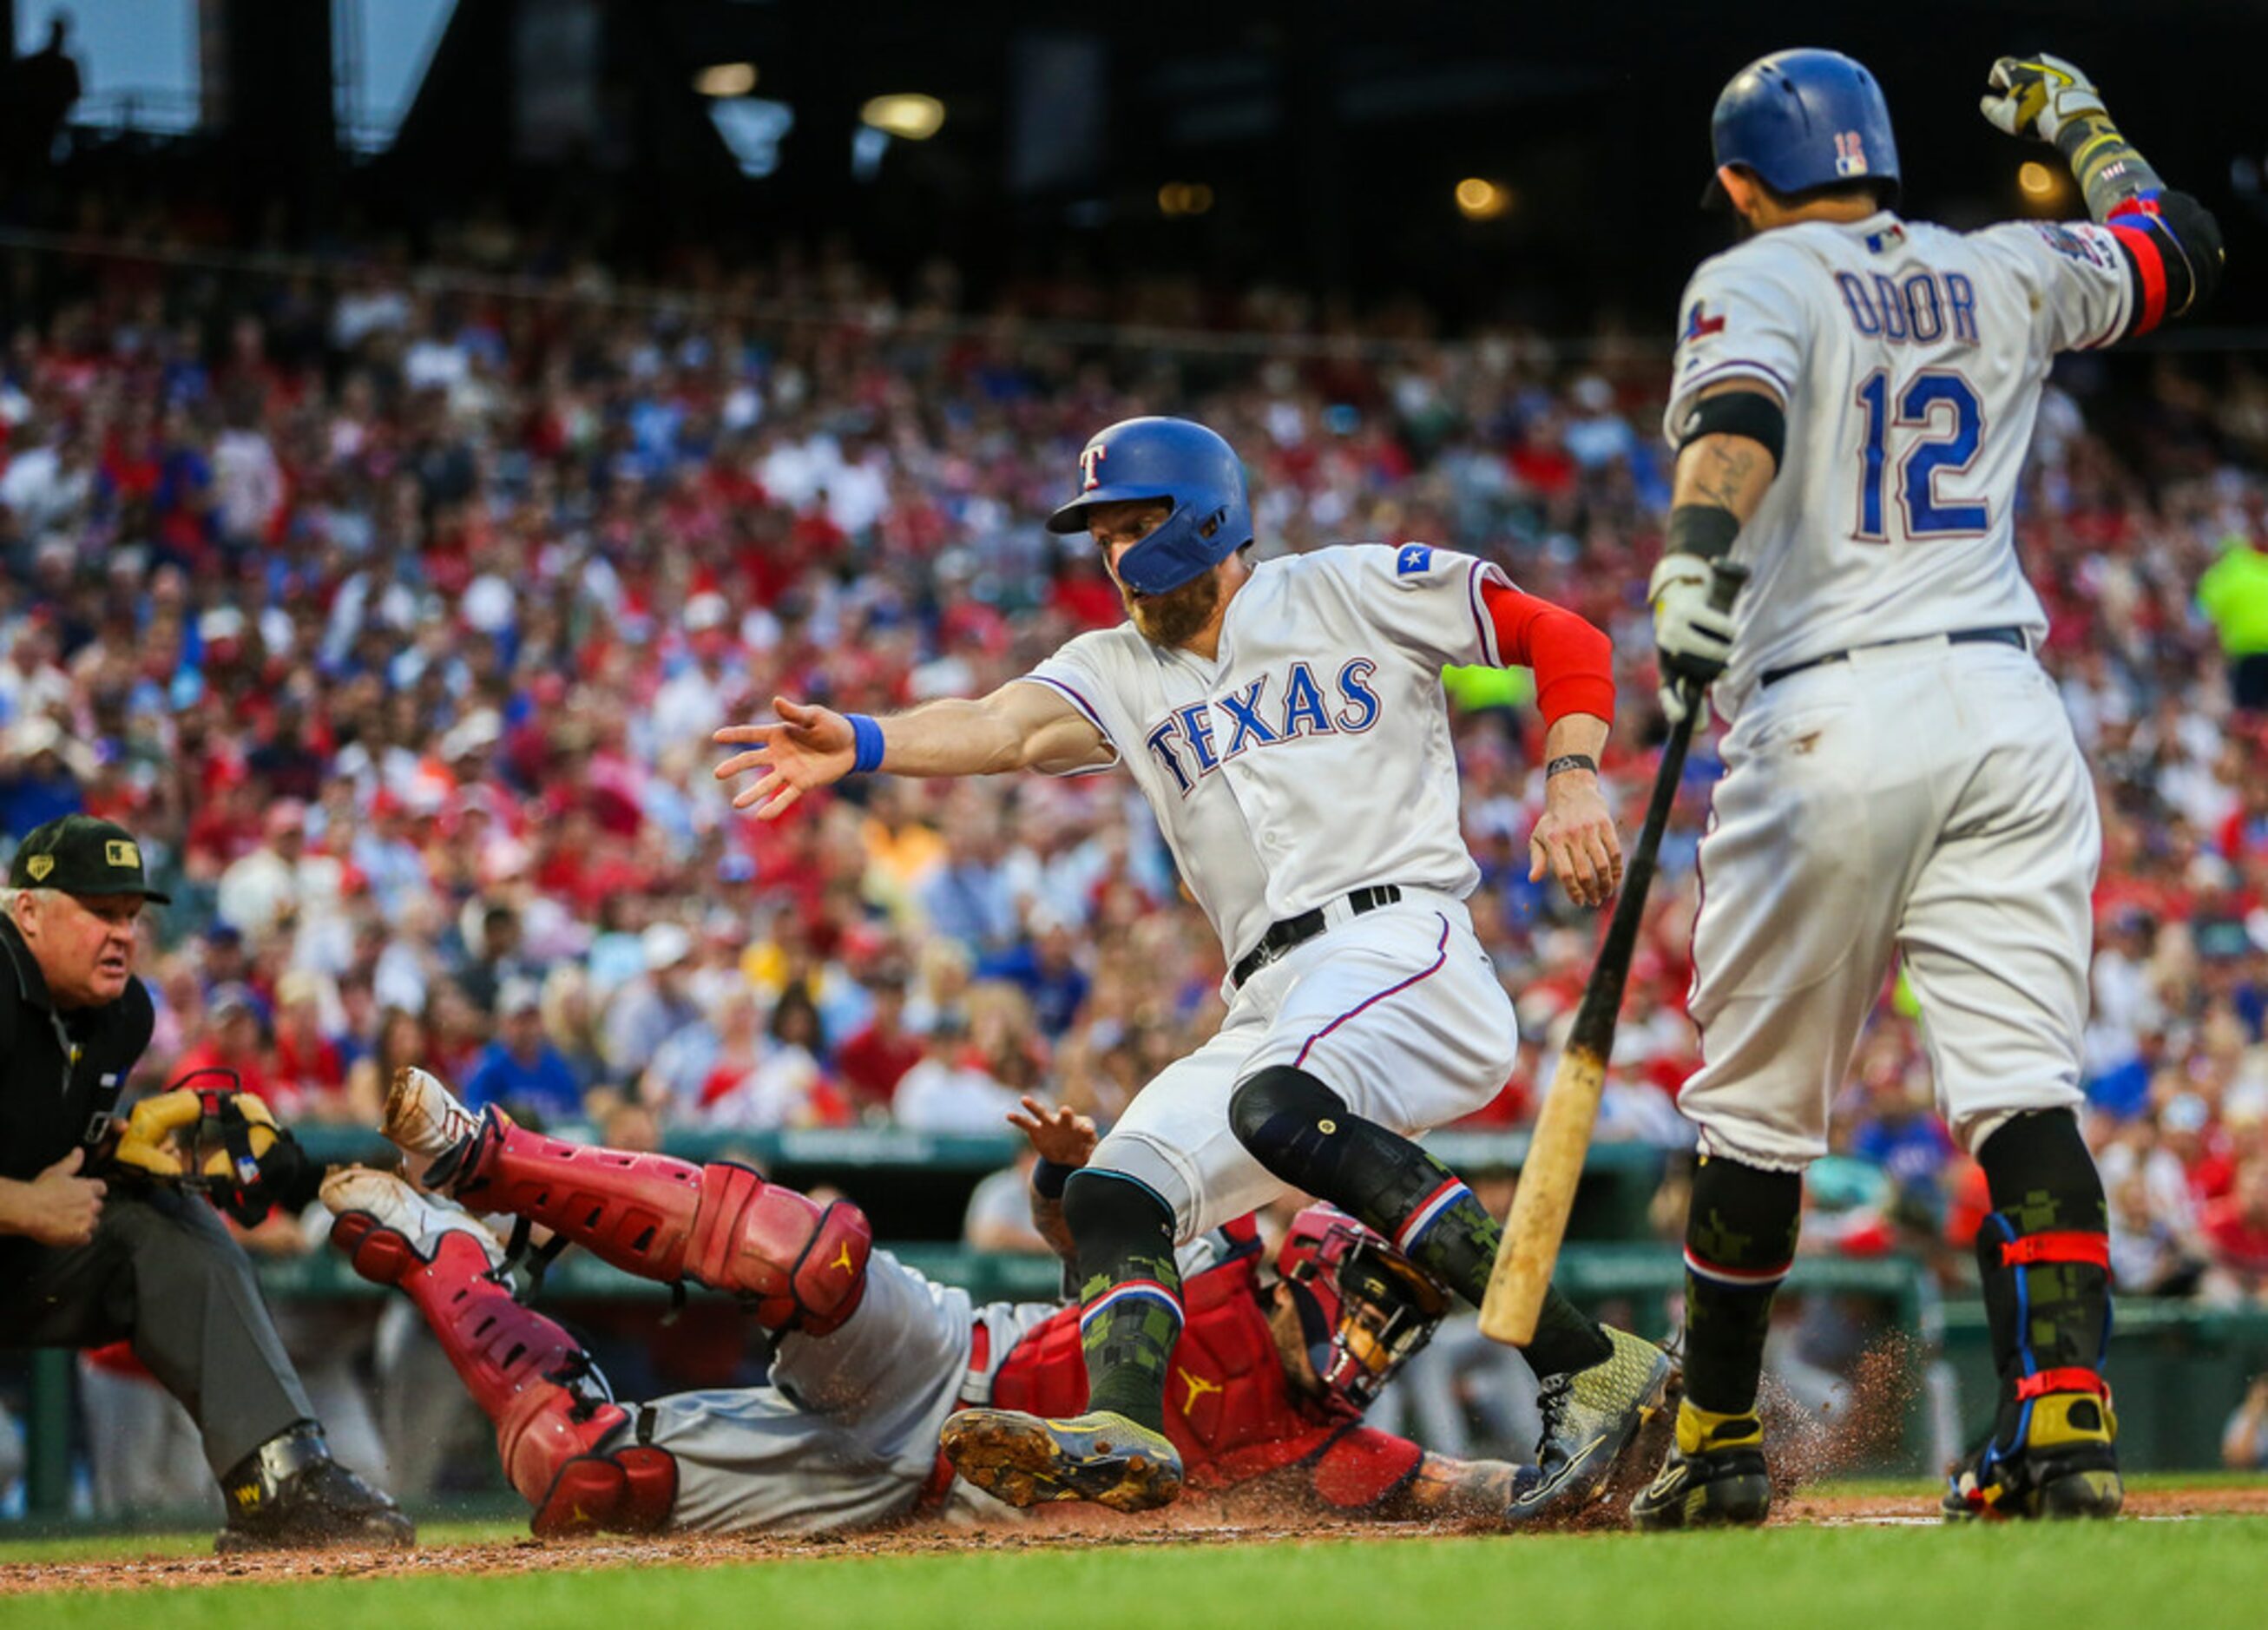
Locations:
(1730, 453)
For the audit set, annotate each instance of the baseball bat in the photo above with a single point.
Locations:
(1562, 1138)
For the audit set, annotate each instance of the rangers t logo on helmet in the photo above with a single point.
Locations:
(1182, 463)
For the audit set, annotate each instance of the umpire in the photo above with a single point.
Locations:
(84, 1263)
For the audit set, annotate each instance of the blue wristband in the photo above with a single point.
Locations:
(1047, 1178)
(868, 737)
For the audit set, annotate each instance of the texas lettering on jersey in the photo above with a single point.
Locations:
(1268, 768)
(1183, 741)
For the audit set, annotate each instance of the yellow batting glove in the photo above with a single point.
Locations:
(2036, 95)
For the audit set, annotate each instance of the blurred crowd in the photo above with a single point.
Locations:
(395, 616)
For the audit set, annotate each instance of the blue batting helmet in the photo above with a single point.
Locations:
(1805, 118)
(1161, 458)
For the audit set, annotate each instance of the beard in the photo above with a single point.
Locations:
(1174, 616)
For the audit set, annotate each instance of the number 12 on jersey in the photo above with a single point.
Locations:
(1940, 424)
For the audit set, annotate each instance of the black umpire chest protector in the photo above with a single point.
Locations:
(60, 1074)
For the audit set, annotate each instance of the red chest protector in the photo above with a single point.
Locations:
(1228, 1407)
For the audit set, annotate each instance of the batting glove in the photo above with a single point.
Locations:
(2036, 95)
(1692, 640)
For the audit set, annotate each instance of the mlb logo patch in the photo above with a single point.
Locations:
(1413, 560)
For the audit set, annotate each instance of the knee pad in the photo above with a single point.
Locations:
(548, 1453)
(1274, 1114)
(796, 1265)
(1119, 1227)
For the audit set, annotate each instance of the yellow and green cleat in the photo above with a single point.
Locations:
(1595, 1422)
(1025, 1460)
(1713, 1477)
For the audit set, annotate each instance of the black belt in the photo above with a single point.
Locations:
(1281, 937)
(1963, 637)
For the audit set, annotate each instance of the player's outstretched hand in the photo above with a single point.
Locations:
(2037, 95)
(810, 747)
(1575, 840)
(1062, 1135)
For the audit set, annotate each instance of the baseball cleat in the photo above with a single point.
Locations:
(1591, 1417)
(2064, 1465)
(390, 1203)
(288, 1495)
(1713, 1477)
(1025, 1460)
(424, 1119)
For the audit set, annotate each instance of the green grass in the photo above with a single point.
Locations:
(199, 1542)
(2140, 1482)
(2198, 1574)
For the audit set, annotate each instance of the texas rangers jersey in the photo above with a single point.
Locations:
(1911, 359)
(1312, 756)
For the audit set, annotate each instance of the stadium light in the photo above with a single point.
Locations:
(908, 116)
(2035, 179)
(726, 79)
(1482, 200)
(1185, 198)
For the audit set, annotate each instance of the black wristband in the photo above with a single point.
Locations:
(1703, 529)
(1047, 1178)
(1571, 761)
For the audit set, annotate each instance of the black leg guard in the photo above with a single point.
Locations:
(1132, 1291)
(1302, 1130)
(1740, 1242)
(2044, 1257)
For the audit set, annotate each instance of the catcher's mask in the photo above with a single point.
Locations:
(1364, 1309)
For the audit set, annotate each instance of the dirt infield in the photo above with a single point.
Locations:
(1070, 1530)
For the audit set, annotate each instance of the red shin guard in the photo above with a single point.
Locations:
(797, 1265)
(527, 1376)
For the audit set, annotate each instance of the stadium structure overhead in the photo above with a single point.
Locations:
(1335, 146)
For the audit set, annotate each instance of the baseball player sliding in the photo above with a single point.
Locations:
(1852, 400)
(1266, 1387)
(1286, 722)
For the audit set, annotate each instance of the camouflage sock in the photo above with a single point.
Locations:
(1740, 1242)
(1131, 1290)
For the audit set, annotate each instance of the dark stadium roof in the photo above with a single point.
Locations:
(1326, 137)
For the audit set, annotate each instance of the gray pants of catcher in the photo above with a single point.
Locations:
(162, 1272)
(847, 1434)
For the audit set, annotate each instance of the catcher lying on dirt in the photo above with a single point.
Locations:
(1269, 1379)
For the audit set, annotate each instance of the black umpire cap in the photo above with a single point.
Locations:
(82, 854)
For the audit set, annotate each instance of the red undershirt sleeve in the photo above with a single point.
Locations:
(1574, 662)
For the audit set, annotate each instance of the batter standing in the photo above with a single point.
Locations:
(1853, 400)
(1287, 724)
